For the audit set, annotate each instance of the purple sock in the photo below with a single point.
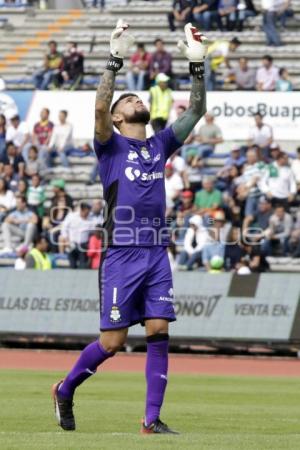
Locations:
(91, 357)
(156, 375)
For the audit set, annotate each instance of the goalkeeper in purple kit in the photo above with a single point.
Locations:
(135, 280)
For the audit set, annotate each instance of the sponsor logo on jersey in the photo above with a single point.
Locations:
(169, 298)
(157, 158)
(132, 174)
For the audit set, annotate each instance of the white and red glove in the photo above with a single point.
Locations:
(195, 50)
(120, 43)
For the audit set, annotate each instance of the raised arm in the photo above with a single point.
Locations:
(195, 53)
(103, 120)
(120, 43)
(188, 120)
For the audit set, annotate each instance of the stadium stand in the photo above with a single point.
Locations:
(23, 44)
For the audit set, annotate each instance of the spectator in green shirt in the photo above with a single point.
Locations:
(209, 198)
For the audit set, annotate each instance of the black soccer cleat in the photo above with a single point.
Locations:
(157, 427)
(63, 409)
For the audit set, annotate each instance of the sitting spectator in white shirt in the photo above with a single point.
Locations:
(18, 133)
(7, 199)
(174, 185)
(21, 223)
(267, 75)
(278, 233)
(74, 236)
(279, 183)
(61, 141)
(261, 135)
(195, 239)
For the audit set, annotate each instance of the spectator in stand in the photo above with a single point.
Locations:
(296, 168)
(71, 74)
(272, 11)
(33, 165)
(7, 199)
(227, 10)
(160, 102)
(13, 158)
(21, 223)
(217, 55)
(233, 249)
(208, 136)
(278, 233)
(10, 177)
(194, 166)
(195, 239)
(181, 12)
(208, 198)
(253, 258)
(42, 130)
(173, 184)
(279, 183)
(184, 211)
(267, 75)
(205, 13)
(96, 215)
(38, 257)
(274, 152)
(256, 225)
(61, 141)
(245, 9)
(94, 252)
(20, 262)
(283, 83)
(294, 242)
(18, 133)
(161, 61)
(22, 188)
(139, 69)
(261, 136)
(247, 183)
(36, 196)
(218, 235)
(243, 76)
(75, 234)
(235, 159)
(179, 166)
(52, 65)
(61, 206)
(2, 134)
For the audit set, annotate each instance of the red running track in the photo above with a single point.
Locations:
(183, 364)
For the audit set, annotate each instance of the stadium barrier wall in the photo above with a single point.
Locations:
(210, 308)
(233, 110)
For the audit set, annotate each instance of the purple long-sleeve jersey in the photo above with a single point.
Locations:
(132, 174)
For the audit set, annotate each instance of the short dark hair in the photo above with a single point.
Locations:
(268, 58)
(39, 238)
(235, 41)
(52, 42)
(47, 109)
(128, 94)
(182, 107)
(283, 69)
(73, 43)
(8, 144)
(22, 198)
(140, 45)
(34, 148)
(280, 155)
(15, 117)
(64, 112)
(158, 40)
(85, 205)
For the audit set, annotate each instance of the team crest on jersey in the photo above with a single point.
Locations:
(115, 315)
(145, 153)
(132, 155)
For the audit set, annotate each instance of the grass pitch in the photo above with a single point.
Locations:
(212, 413)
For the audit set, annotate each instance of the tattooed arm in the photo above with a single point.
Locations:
(103, 120)
(183, 126)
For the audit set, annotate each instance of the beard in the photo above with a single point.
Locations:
(139, 117)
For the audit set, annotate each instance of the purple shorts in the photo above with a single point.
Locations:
(135, 284)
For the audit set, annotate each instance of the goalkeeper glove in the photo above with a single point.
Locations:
(120, 43)
(195, 50)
